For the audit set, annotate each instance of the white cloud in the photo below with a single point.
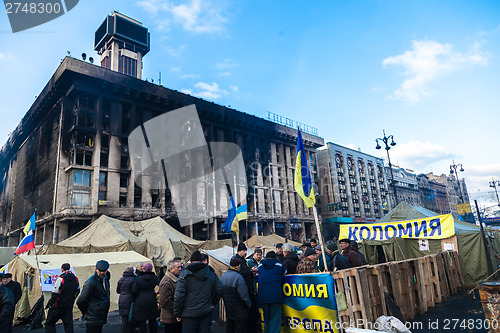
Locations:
(418, 155)
(209, 91)
(189, 76)
(226, 64)
(199, 16)
(175, 51)
(224, 74)
(234, 88)
(426, 61)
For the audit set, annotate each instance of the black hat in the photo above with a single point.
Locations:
(7, 275)
(234, 262)
(102, 265)
(332, 246)
(196, 256)
(309, 251)
(279, 245)
(271, 255)
(241, 247)
(258, 251)
(345, 240)
(306, 245)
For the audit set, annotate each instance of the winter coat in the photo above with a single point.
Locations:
(306, 265)
(125, 287)
(352, 256)
(6, 308)
(321, 265)
(146, 304)
(167, 291)
(247, 274)
(94, 301)
(198, 289)
(16, 289)
(270, 290)
(65, 291)
(235, 295)
(339, 262)
(290, 262)
(253, 263)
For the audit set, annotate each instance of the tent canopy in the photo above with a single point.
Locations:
(220, 258)
(153, 238)
(268, 242)
(24, 270)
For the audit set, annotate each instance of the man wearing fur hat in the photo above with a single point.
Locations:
(197, 291)
(308, 263)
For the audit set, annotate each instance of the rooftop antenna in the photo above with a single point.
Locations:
(159, 79)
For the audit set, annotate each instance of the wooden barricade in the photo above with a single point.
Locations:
(413, 285)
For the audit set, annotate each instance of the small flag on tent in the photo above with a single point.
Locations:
(27, 243)
(30, 225)
(302, 182)
(231, 216)
(384, 204)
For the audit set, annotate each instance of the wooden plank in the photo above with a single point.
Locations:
(420, 287)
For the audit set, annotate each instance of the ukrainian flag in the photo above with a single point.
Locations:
(302, 181)
(241, 212)
(30, 225)
(231, 216)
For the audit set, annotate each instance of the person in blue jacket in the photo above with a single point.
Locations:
(270, 291)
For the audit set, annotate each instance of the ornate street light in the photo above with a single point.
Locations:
(388, 145)
(453, 169)
(494, 183)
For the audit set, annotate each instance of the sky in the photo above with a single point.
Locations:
(425, 71)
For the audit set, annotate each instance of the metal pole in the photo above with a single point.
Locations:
(392, 176)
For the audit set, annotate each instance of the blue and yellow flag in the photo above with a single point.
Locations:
(231, 216)
(302, 181)
(241, 212)
(30, 225)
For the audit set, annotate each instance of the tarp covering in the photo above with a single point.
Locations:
(6, 254)
(153, 238)
(268, 242)
(471, 249)
(24, 270)
(219, 258)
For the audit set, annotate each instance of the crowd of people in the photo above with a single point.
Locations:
(184, 298)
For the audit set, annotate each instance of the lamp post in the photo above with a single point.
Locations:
(385, 140)
(453, 169)
(494, 183)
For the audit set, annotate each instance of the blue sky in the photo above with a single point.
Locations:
(425, 71)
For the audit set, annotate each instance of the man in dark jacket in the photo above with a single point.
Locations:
(270, 292)
(291, 259)
(256, 259)
(94, 299)
(66, 289)
(351, 255)
(6, 308)
(338, 261)
(354, 246)
(198, 290)
(236, 298)
(279, 252)
(249, 276)
(14, 286)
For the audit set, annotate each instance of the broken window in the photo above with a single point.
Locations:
(79, 188)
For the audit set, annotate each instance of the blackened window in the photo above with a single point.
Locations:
(127, 66)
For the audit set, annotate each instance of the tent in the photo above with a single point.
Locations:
(468, 241)
(219, 258)
(268, 242)
(153, 238)
(24, 270)
(7, 254)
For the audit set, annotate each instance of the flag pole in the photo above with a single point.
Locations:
(320, 237)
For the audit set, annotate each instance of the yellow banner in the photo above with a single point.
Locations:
(435, 227)
(464, 208)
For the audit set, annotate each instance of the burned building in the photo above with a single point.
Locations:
(69, 156)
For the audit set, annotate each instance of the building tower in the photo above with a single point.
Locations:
(122, 42)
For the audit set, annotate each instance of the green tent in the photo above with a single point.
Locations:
(471, 249)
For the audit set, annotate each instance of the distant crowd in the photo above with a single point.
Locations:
(183, 299)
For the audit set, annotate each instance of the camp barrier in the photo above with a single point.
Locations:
(408, 288)
(404, 288)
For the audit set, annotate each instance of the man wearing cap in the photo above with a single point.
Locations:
(64, 293)
(337, 260)
(303, 248)
(14, 286)
(279, 252)
(94, 299)
(270, 292)
(248, 274)
(256, 259)
(236, 299)
(197, 291)
(7, 308)
(351, 255)
(308, 263)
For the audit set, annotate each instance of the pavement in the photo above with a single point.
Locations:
(460, 313)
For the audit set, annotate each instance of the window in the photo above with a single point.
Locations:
(127, 66)
(104, 159)
(85, 119)
(79, 188)
(123, 199)
(123, 180)
(103, 195)
(137, 197)
(103, 179)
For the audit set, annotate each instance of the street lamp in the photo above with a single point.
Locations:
(453, 169)
(385, 140)
(494, 183)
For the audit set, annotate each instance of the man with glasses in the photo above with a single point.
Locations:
(94, 299)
